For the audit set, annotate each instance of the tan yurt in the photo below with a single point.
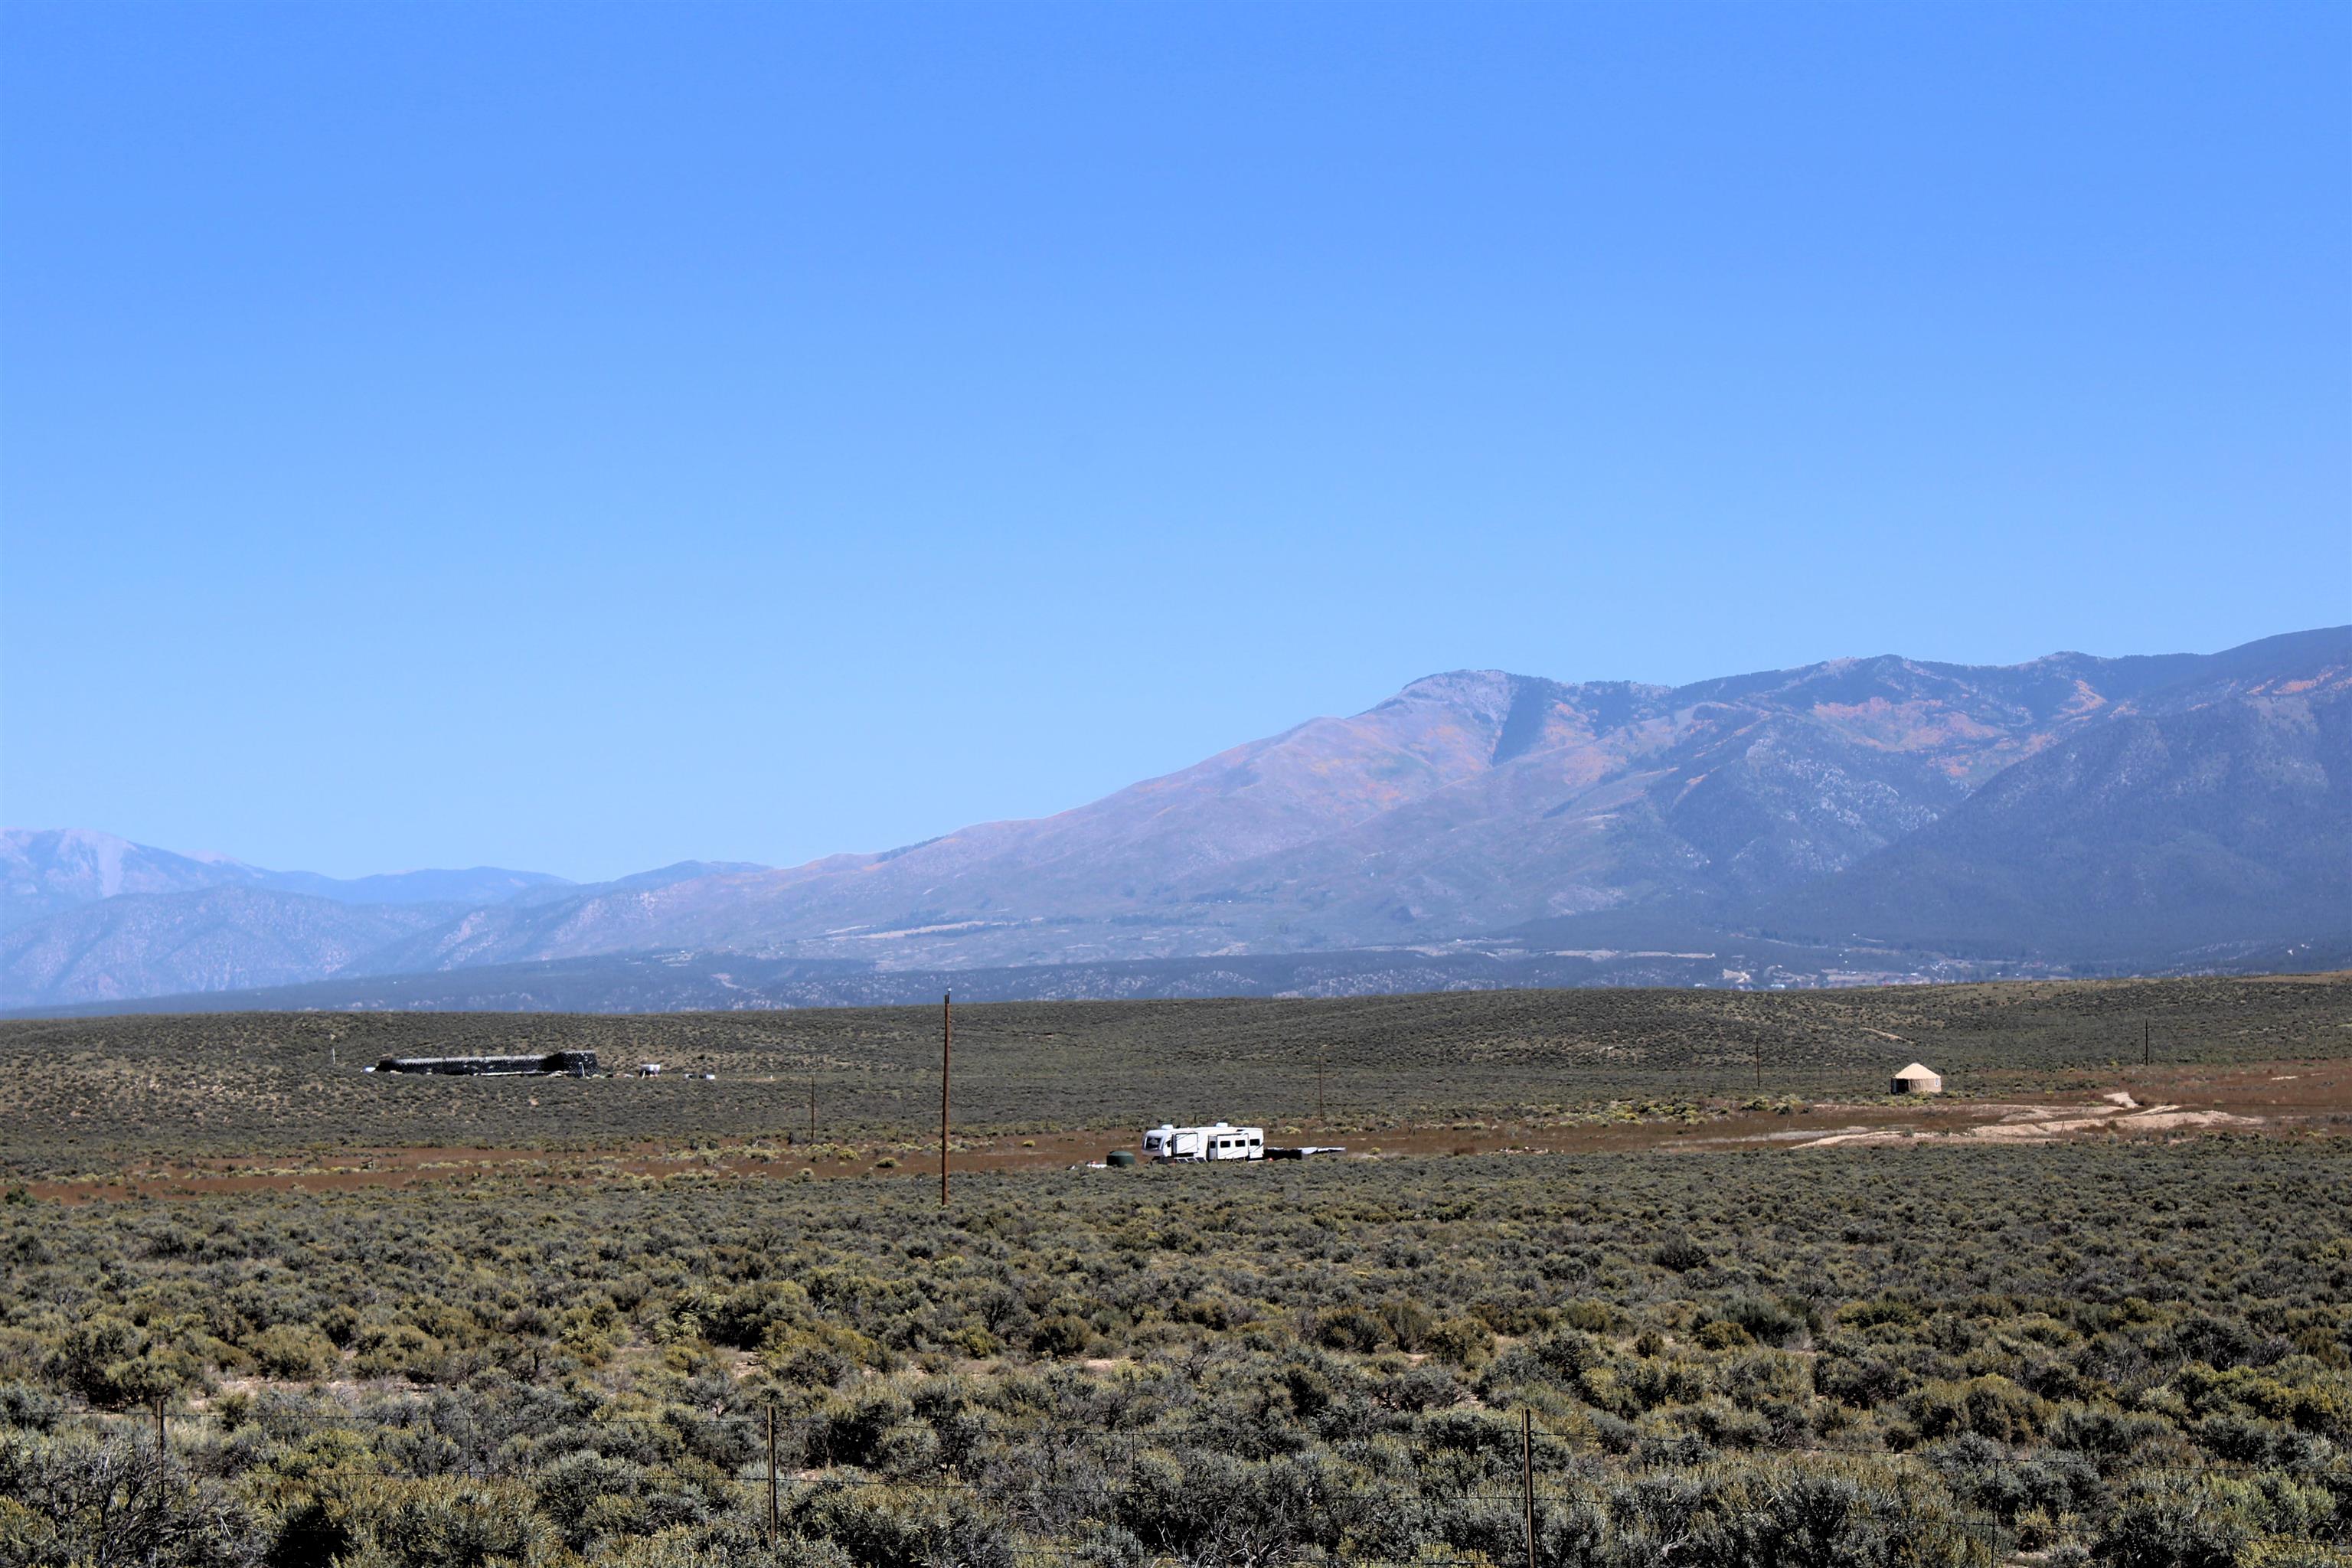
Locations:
(1918, 1078)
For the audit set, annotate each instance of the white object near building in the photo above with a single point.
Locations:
(1218, 1141)
(1918, 1079)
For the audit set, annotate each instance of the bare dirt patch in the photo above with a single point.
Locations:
(2029, 1124)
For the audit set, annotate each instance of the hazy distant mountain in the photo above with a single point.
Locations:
(683, 871)
(47, 872)
(475, 885)
(2136, 809)
(215, 939)
(44, 872)
(668, 983)
(92, 917)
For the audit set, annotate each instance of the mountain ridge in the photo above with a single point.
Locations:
(1478, 801)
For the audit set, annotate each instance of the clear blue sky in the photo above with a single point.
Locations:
(583, 438)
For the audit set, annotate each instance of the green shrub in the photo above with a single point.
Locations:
(293, 1351)
(397, 1351)
(1462, 1341)
(1681, 1253)
(1061, 1334)
(1990, 1407)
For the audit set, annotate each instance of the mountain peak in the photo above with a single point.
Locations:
(1458, 685)
(1487, 695)
(48, 869)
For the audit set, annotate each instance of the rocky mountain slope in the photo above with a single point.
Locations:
(2209, 823)
(2175, 802)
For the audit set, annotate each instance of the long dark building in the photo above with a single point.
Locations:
(573, 1064)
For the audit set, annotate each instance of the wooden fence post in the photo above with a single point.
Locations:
(1528, 1475)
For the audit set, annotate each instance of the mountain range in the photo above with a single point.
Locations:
(2151, 813)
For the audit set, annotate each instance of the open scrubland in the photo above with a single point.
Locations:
(1792, 1326)
(84, 1093)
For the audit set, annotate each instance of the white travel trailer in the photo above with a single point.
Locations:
(1218, 1141)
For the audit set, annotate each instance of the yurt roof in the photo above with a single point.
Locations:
(1918, 1070)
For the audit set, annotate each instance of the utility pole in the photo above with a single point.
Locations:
(812, 1109)
(1760, 1064)
(946, 1049)
(2144, 1049)
(1318, 1080)
(1528, 1475)
(163, 1450)
(771, 1475)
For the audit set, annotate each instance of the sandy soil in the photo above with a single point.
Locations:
(2025, 1123)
